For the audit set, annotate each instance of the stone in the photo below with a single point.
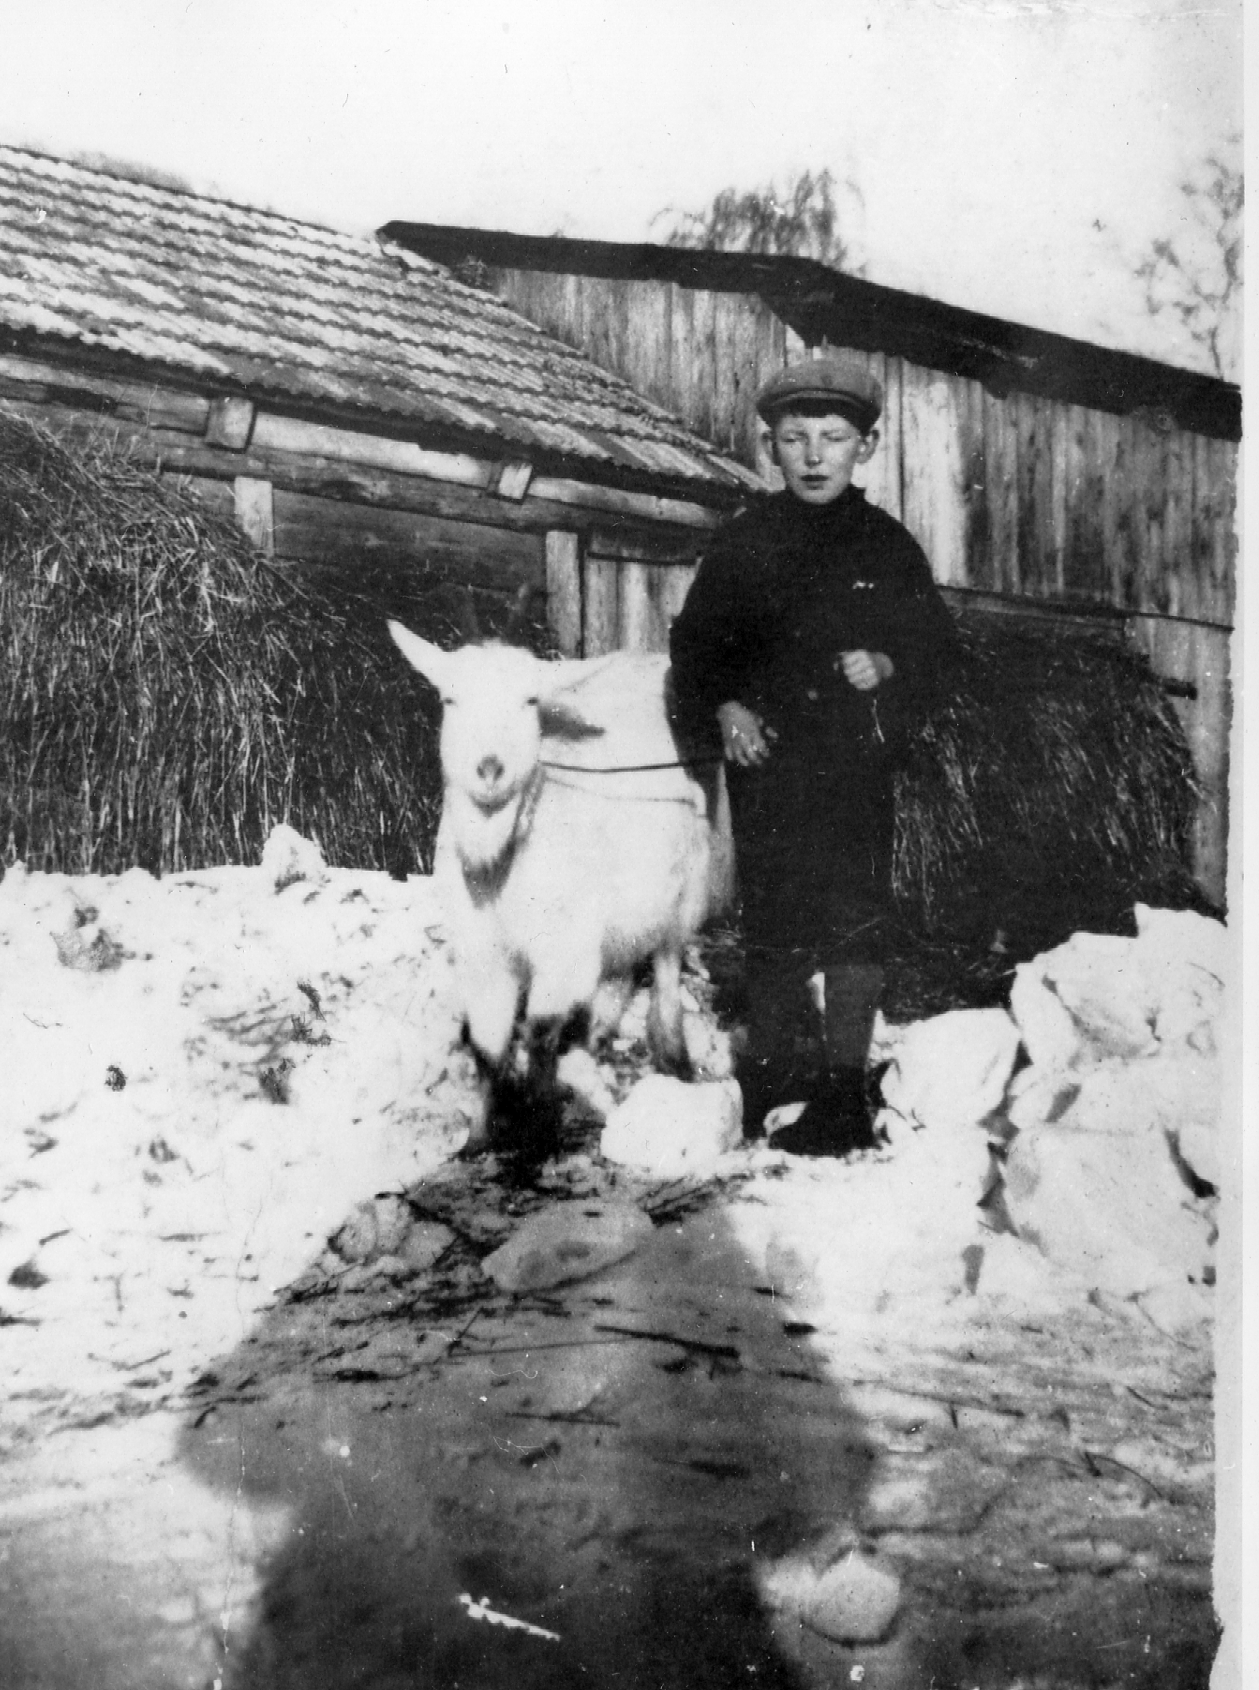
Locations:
(953, 1069)
(424, 1244)
(672, 1129)
(378, 1227)
(1100, 997)
(854, 1600)
(1083, 1001)
(1166, 1092)
(288, 858)
(1110, 1206)
(574, 1241)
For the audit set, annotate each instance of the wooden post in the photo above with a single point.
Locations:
(230, 422)
(563, 590)
(255, 511)
(1198, 652)
(601, 622)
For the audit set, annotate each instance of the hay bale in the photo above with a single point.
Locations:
(167, 696)
(1051, 789)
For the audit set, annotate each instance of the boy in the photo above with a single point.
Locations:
(812, 632)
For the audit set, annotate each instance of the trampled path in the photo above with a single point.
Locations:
(621, 1461)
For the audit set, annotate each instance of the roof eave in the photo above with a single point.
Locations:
(821, 303)
(719, 494)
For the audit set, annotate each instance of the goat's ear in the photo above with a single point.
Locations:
(561, 719)
(431, 661)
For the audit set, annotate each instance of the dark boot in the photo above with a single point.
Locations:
(773, 1069)
(838, 1117)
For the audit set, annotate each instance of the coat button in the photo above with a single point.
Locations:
(812, 695)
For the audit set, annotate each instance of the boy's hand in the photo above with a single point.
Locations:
(865, 669)
(744, 737)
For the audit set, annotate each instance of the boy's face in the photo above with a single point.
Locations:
(817, 454)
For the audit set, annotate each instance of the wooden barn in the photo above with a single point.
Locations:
(357, 406)
(1044, 476)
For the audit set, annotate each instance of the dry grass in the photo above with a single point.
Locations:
(1051, 789)
(167, 697)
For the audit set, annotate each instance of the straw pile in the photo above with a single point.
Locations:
(166, 696)
(1051, 789)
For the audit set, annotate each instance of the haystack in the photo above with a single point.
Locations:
(168, 696)
(1050, 789)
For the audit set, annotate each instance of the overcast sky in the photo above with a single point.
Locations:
(1013, 156)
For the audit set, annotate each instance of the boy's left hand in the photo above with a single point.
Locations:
(865, 669)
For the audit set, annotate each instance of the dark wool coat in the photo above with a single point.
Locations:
(783, 591)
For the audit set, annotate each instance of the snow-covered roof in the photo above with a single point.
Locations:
(248, 301)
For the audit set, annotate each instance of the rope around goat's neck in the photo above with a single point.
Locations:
(634, 768)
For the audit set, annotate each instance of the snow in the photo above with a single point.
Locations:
(214, 1080)
(204, 1074)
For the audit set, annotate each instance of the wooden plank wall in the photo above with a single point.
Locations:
(1014, 495)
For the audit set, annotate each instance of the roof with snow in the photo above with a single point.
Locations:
(231, 299)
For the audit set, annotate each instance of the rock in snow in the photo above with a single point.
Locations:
(953, 1069)
(854, 1600)
(1118, 1114)
(287, 858)
(572, 1242)
(674, 1129)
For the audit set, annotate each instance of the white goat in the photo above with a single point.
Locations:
(557, 875)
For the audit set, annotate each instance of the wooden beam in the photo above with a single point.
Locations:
(378, 451)
(512, 480)
(646, 545)
(230, 422)
(618, 499)
(331, 532)
(348, 482)
(601, 622)
(563, 589)
(32, 381)
(255, 511)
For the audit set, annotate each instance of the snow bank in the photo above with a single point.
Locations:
(204, 1073)
(1101, 1151)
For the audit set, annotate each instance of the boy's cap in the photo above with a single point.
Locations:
(839, 380)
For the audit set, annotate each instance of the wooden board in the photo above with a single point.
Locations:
(1197, 654)
(1001, 494)
(255, 511)
(933, 473)
(326, 531)
(40, 383)
(563, 590)
(600, 620)
(1214, 540)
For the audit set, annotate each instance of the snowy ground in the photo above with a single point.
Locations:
(206, 1077)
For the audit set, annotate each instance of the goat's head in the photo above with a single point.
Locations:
(497, 701)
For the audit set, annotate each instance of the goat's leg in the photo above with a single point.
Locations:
(527, 1100)
(491, 998)
(665, 1037)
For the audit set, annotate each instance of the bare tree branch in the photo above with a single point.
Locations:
(800, 219)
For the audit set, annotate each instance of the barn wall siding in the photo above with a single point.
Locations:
(1011, 493)
(1029, 498)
